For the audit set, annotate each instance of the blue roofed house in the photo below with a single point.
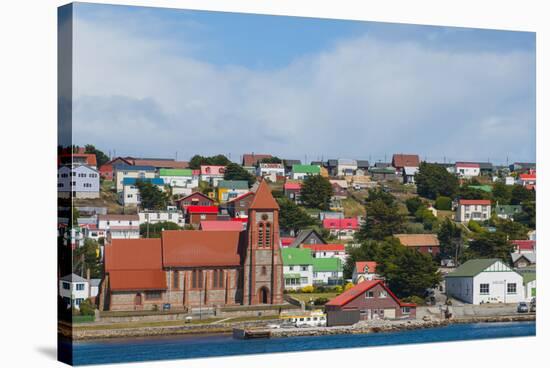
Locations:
(130, 192)
(123, 171)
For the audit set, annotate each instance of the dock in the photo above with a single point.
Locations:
(251, 333)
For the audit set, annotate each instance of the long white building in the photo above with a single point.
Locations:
(79, 180)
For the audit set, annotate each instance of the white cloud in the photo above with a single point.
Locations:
(363, 97)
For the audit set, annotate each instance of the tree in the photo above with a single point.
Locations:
(155, 230)
(502, 193)
(87, 258)
(198, 160)
(528, 215)
(424, 215)
(100, 156)
(292, 217)
(514, 230)
(316, 192)
(382, 220)
(237, 172)
(433, 180)
(450, 239)
(443, 203)
(520, 194)
(490, 245)
(271, 160)
(378, 193)
(413, 204)
(466, 192)
(152, 198)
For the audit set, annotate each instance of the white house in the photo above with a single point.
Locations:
(473, 209)
(480, 281)
(79, 180)
(530, 285)
(328, 271)
(327, 250)
(467, 169)
(119, 226)
(270, 171)
(364, 271)
(408, 174)
(297, 268)
(130, 192)
(170, 215)
(212, 174)
(346, 167)
(123, 171)
(182, 181)
(75, 289)
(300, 172)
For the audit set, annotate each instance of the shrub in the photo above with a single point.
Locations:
(338, 289)
(474, 226)
(348, 286)
(87, 308)
(414, 299)
(307, 289)
(443, 203)
(413, 204)
(320, 300)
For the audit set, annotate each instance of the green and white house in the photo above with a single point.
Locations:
(508, 211)
(182, 181)
(480, 281)
(300, 172)
(301, 269)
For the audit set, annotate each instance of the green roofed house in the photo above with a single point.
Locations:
(299, 172)
(230, 189)
(297, 267)
(327, 271)
(483, 280)
(507, 211)
(182, 181)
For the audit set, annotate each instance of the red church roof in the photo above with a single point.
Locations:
(221, 226)
(263, 199)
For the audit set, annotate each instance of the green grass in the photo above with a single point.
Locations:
(115, 326)
(305, 297)
(443, 214)
(352, 208)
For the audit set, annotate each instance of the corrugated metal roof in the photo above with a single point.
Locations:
(296, 256)
(473, 267)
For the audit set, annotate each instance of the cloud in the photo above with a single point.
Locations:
(362, 97)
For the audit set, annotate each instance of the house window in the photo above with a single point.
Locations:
(79, 286)
(369, 294)
(291, 268)
(511, 288)
(152, 295)
(484, 289)
(315, 274)
(406, 310)
(66, 286)
(176, 280)
(303, 280)
(383, 294)
(77, 301)
(304, 268)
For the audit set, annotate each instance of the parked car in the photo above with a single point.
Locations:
(522, 307)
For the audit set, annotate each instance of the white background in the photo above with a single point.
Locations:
(28, 182)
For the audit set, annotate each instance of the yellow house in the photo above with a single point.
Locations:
(229, 189)
(324, 172)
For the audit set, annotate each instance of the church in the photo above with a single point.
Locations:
(191, 269)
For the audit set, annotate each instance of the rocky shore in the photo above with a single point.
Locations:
(79, 333)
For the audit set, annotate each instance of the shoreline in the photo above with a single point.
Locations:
(83, 335)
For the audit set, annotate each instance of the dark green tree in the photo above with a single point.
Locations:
(375, 194)
(293, 217)
(87, 258)
(316, 192)
(528, 216)
(489, 245)
(450, 240)
(152, 198)
(466, 192)
(443, 203)
(513, 229)
(382, 220)
(502, 193)
(434, 180)
(155, 230)
(413, 204)
(198, 160)
(237, 172)
(520, 194)
(271, 160)
(100, 156)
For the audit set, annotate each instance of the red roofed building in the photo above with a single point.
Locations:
(194, 199)
(400, 161)
(221, 226)
(292, 191)
(106, 170)
(524, 246)
(327, 250)
(529, 180)
(88, 159)
(365, 301)
(364, 270)
(196, 214)
(342, 228)
(473, 209)
(190, 269)
(252, 159)
(467, 169)
(286, 241)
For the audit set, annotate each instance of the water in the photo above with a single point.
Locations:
(181, 347)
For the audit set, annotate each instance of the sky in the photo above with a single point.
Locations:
(154, 82)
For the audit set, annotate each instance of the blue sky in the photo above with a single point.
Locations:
(154, 82)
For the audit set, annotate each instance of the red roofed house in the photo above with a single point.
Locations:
(327, 250)
(424, 243)
(106, 170)
(194, 199)
(467, 169)
(88, 159)
(196, 214)
(287, 241)
(192, 269)
(365, 301)
(251, 159)
(364, 270)
(400, 161)
(473, 209)
(528, 180)
(524, 246)
(341, 228)
(221, 226)
(292, 191)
